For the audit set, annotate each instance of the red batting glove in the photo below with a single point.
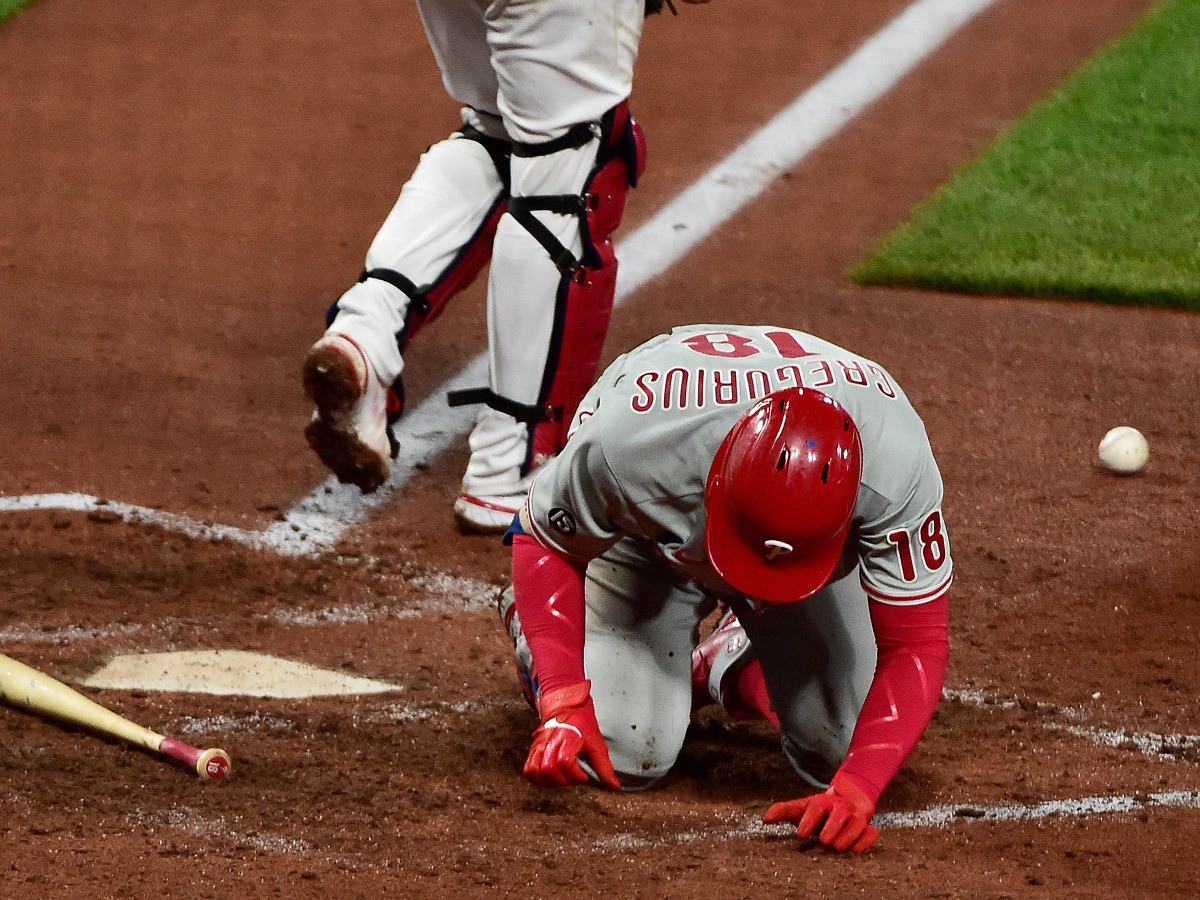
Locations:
(845, 808)
(569, 732)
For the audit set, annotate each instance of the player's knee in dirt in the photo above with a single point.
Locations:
(639, 764)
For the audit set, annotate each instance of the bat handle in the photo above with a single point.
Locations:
(208, 764)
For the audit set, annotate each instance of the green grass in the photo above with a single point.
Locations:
(1095, 194)
(9, 7)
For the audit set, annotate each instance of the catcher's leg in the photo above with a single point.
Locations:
(434, 242)
(550, 295)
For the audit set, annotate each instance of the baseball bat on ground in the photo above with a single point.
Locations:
(39, 693)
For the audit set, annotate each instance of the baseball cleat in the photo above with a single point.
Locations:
(506, 605)
(349, 429)
(486, 515)
(721, 655)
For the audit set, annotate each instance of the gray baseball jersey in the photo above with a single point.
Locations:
(638, 457)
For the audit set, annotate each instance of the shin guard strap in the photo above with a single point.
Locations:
(521, 209)
(522, 412)
(401, 283)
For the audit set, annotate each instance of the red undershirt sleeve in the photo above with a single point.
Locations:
(913, 647)
(548, 589)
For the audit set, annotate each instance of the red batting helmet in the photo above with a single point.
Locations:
(780, 495)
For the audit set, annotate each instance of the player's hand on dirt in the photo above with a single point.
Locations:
(568, 734)
(845, 809)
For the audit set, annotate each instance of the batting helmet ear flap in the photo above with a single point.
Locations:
(780, 495)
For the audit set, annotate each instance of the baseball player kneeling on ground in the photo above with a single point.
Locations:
(776, 473)
(535, 182)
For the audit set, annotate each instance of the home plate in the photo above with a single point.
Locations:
(229, 672)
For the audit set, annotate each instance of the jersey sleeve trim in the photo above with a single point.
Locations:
(908, 599)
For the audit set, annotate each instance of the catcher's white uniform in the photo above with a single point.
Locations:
(535, 181)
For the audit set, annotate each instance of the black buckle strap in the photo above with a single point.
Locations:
(522, 412)
(499, 151)
(400, 282)
(521, 209)
(576, 136)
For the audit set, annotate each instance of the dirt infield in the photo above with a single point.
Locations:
(189, 186)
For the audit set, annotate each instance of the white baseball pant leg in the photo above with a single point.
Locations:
(550, 65)
(640, 630)
(441, 207)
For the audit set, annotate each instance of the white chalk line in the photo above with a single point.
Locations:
(26, 634)
(743, 827)
(723, 827)
(729, 827)
(251, 723)
(210, 828)
(295, 544)
(318, 521)
(447, 594)
(1162, 746)
(181, 821)
(389, 714)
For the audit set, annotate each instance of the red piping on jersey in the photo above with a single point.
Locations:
(908, 599)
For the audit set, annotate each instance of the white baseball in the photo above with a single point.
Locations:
(1124, 450)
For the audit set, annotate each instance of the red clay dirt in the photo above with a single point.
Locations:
(188, 186)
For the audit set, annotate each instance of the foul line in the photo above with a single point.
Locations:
(317, 521)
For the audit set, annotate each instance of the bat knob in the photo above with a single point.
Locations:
(213, 764)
